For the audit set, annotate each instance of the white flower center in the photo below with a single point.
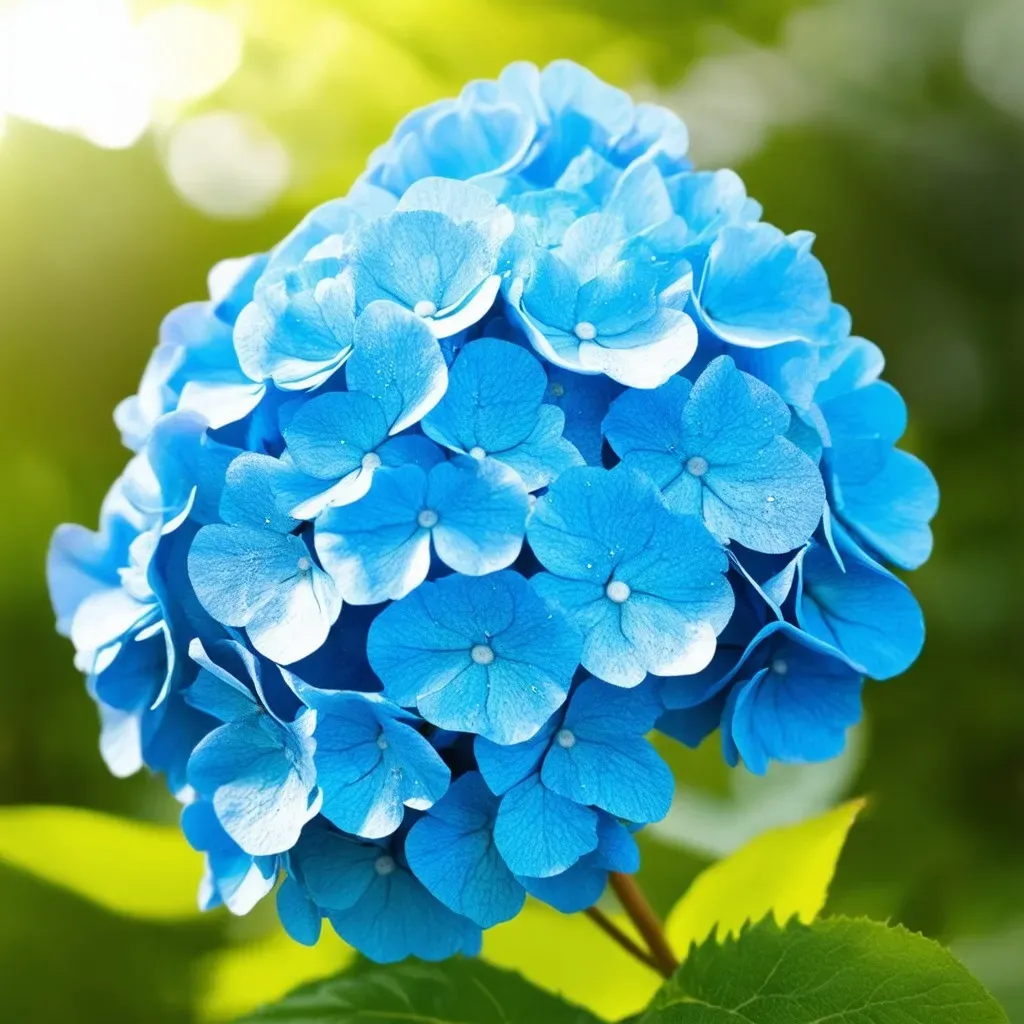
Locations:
(482, 654)
(427, 519)
(425, 308)
(384, 865)
(382, 743)
(371, 460)
(779, 666)
(558, 390)
(697, 465)
(304, 564)
(478, 453)
(565, 738)
(585, 331)
(617, 591)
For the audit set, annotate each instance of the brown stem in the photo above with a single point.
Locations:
(610, 928)
(647, 924)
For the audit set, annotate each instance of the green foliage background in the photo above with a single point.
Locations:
(912, 181)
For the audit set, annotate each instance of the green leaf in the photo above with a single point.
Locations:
(135, 868)
(838, 970)
(458, 991)
(785, 871)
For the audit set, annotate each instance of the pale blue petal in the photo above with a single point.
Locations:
(761, 287)
(374, 549)
(398, 362)
(481, 509)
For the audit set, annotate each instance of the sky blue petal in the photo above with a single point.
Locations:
(599, 756)
(691, 726)
(539, 833)
(252, 490)
(267, 583)
(335, 870)
(451, 850)
(398, 362)
(330, 434)
(544, 454)
(371, 766)
(227, 684)
(493, 398)
(761, 287)
(375, 549)
(506, 766)
(581, 885)
(481, 509)
(233, 877)
(772, 504)
(793, 701)
(298, 329)
(891, 512)
(397, 918)
(299, 915)
(864, 611)
(430, 262)
(260, 778)
(707, 201)
(422, 649)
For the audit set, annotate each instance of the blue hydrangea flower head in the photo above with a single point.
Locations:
(536, 441)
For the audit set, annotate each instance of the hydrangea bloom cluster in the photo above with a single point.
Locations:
(536, 441)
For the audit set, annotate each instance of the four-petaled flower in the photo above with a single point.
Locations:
(494, 406)
(717, 448)
(476, 654)
(612, 551)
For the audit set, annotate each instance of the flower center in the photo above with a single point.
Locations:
(697, 465)
(427, 519)
(382, 743)
(779, 666)
(384, 865)
(617, 591)
(478, 453)
(425, 308)
(371, 460)
(482, 654)
(304, 564)
(565, 738)
(558, 390)
(585, 331)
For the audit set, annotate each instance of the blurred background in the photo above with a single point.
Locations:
(142, 141)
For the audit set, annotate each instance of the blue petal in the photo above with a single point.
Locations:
(493, 398)
(226, 686)
(331, 434)
(298, 330)
(397, 918)
(544, 454)
(539, 833)
(600, 757)
(375, 549)
(451, 850)
(797, 708)
(891, 511)
(481, 509)
(761, 287)
(267, 583)
(584, 400)
(860, 608)
(259, 775)
(398, 362)
(422, 648)
(371, 766)
(251, 493)
(506, 766)
(298, 913)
